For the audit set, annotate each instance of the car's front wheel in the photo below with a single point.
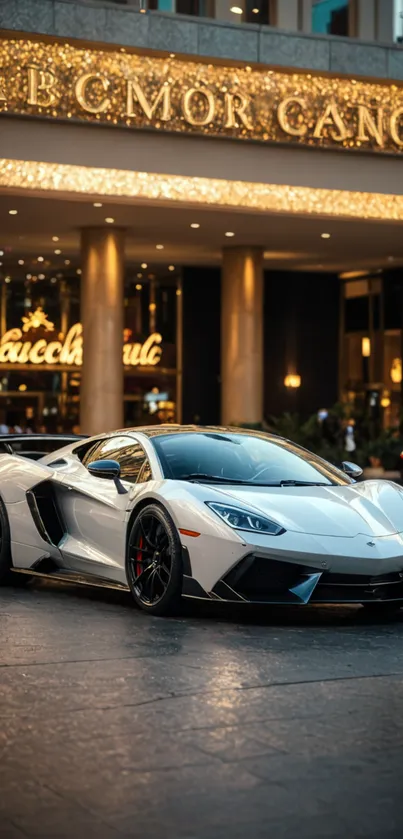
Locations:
(154, 561)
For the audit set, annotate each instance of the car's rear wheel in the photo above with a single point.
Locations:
(382, 608)
(154, 561)
(7, 577)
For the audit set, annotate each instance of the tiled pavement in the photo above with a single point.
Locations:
(215, 725)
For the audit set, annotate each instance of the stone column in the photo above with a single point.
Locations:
(288, 15)
(102, 264)
(388, 23)
(366, 20)
(242, 336)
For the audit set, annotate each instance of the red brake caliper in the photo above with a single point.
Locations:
(139, 559)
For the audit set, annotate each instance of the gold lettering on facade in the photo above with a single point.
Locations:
(163, 98)
(235, 106)
(332, 118)
(84, 86)
(41, 82)
(283, 116)
(188, 104)
(74, 81)
(395, 119)
(366, 123)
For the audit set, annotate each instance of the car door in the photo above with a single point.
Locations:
(95, 511)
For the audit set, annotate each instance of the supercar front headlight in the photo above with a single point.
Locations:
(240, 519)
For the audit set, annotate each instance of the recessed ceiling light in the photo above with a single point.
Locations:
(160, 247)
(29, 276)
(139, 286)
(79, 272)
(139, 276)
(195, 225)
(229, 233)
(40, 258)
(110, 220)
(53, 280)
(1, 253)
(67, 262)
(20, 262)
(13, 212)
(97, 204)
(144, 265)
(55, 238)
(8, 279)
(325, 235)
(41, 276)
(236, 10)
(171, 267)
(57, 251)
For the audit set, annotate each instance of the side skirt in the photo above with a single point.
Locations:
(70, 578)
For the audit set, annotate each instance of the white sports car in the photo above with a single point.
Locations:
(213, 513)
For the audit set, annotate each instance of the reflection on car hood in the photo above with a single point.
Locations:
(372, 508)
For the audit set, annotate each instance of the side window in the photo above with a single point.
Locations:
(87, 453)
(133, 461)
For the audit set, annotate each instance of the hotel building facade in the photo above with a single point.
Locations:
(201, 207)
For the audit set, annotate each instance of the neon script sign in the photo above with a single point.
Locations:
(18, 347)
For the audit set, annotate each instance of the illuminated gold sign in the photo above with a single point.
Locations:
(62, 81)
(17, 347)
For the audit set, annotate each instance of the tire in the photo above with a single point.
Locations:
(382, 609)
(6, 575)
(154, 562)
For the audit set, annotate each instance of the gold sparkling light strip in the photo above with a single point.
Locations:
(62, 178)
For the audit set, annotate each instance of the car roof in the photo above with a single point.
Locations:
(172, 428)
(27, 436)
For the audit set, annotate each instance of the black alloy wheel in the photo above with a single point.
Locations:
(154, 561)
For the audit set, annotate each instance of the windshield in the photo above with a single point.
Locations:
(247, 458)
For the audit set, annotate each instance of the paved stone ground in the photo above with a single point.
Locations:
(217, 725)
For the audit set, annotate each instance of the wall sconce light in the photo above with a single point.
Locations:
(385, 401)
(366, 347)
(292, 381)
(396, 371)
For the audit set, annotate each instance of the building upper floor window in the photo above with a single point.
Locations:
(241, 11)
(330, 17)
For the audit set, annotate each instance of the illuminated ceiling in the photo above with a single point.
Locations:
(289, 242)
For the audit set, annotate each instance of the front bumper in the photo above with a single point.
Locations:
(259, 579)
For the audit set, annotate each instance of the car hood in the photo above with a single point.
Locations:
(372, 508)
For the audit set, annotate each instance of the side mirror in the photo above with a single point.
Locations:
(351, 470)
(109, 469)
(105, 469)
